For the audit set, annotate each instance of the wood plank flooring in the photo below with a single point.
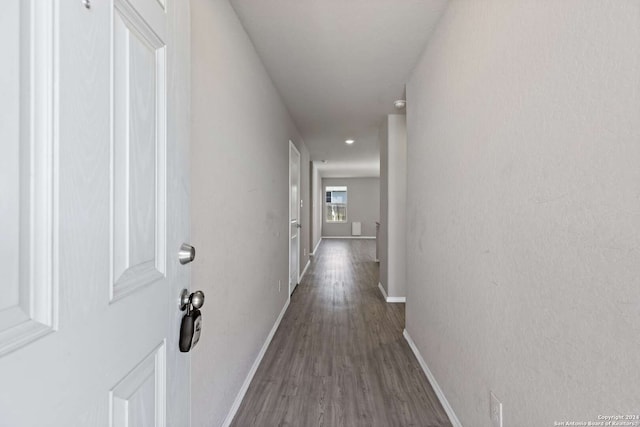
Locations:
(338, 357)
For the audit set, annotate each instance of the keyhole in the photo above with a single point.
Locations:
(87, 3)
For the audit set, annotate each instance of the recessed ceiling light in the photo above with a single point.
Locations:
(349, 141)
(399, 104)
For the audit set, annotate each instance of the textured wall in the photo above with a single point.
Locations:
(317, 202)
(383, 235)
(363, 205)
(524, 209)
(397, 210)
(239, 158)
(393, 194)
(305, 210)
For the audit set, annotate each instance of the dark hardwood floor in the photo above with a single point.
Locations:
(338, 357)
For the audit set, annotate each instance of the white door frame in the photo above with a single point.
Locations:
(297, 267)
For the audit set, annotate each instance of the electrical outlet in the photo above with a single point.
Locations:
(496, 411)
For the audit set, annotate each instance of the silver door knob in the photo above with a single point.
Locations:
(186, 254)
(195, 300)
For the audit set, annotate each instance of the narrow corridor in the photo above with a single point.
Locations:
(339, 357)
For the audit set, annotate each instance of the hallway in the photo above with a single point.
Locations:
(338, 357)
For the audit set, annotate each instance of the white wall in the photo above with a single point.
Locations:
(305, 210)
(383, 238)
(393, 197)
(363, 205)
(241, 132)
(524, 209)
(317, 206)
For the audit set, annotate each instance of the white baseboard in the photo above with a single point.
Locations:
(349, 237)
(304, 270)
(316, 248)
(388, 298)
(432, 380)
(384, 293)
(254, 368)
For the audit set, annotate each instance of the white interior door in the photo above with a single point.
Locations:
(94, 206)
(294, 216)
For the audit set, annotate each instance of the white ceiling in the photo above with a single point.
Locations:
(339, 65)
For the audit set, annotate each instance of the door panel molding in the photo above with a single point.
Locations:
(139, 399)
(138, 151)
(32, 312)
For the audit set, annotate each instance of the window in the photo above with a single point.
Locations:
(336, 204)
